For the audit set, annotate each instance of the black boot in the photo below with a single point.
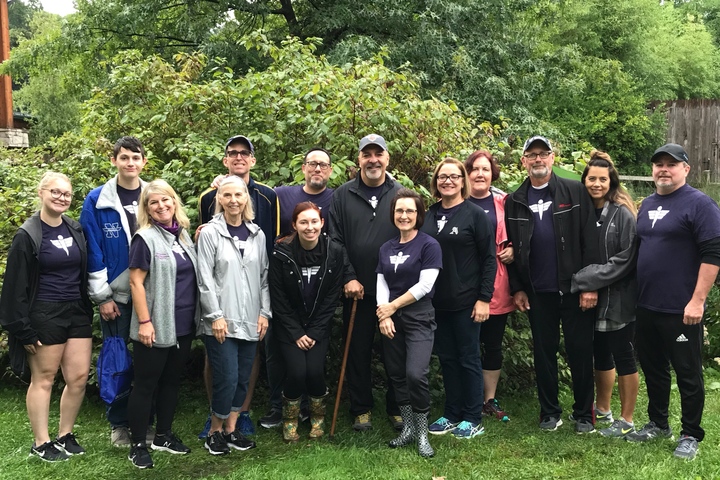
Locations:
(421, 432)
(407, 435)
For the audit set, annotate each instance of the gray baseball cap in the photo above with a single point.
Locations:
(537, 138)
(372, 139)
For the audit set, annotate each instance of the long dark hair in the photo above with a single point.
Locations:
(617, 193)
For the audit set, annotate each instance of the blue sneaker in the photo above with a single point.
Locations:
(441, 426)
(245, 424)
(206, 429)
(468, 430)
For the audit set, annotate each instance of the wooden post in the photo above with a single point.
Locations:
(6, 111)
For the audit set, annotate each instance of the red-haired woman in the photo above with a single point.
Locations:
(306, 272)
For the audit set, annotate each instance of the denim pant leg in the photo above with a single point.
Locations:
(245, 358)
(224, 365)
(117, 411)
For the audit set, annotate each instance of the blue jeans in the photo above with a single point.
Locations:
(457, 345)
(116, 412)
(231, 363)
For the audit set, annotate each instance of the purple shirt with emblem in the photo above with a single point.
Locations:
(129, 200)
(239, 235)
(60, 263)
(401, 263)
(543, 253)
(290, 196)
(487, 204)
(185, 283)
(670, 228)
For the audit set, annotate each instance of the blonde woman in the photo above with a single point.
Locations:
(46, 310)
(235, 297)
(165, 315)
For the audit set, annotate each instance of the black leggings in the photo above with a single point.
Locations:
(305, 369)
(157, 374)
(491, 337)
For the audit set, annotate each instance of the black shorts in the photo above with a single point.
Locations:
(55, 322)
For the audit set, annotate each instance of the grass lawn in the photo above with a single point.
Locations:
(517, 449)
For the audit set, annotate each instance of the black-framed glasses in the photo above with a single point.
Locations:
(453, 178)
(58, 194)
(408, 211)
(241, 153)
(533, 156)
(313, 165)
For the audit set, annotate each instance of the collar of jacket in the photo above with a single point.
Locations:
(33, 226)
(387, 186)
(521, 194)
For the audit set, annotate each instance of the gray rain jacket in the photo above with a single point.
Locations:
(233, 286)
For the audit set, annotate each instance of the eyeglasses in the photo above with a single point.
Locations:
(313, 165)
(408, 211)
(533, 156)
(241, 153)
(58, 194)
(453, 178)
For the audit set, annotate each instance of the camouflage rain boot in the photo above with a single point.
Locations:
(291, 412)
(317, 417)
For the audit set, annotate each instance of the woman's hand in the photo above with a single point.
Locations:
(146, 334)
(31, 348)
(387, 328)
(386, 310)
(506, 255)
(219, 329)
(305, 343)
(481, 311)
(262, 326)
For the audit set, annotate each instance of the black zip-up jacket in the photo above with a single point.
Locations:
(574, 225)
(291, 317)
(362, 230)
(615, 276)
(22, 276)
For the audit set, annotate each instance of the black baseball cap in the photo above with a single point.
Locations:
(672, 149)
(537, 138)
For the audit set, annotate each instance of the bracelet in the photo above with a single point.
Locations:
(145, 321)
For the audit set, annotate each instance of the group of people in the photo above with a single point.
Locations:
(267, 268)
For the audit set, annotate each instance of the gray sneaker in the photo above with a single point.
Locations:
(550, 424)
(584, 426)
(687, 447)
(120, 437)
(618, 429)
(648, 432)
(603, 417)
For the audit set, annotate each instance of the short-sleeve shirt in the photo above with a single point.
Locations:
(543, 254)
(129, 200)
(185, 282)
(60, 265)
(401, 263)
(670, 228)
(290, 196)
(487, 204)
(239, 235)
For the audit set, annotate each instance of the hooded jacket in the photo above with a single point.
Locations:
(614, 277)
(233, 286)
(291, 317)
(22, 276)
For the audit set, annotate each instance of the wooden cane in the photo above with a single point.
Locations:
(351, 324)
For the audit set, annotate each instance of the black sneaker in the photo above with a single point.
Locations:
(304, 414)
(216, 444)
(238, 441)
(49, 452)
(272, 419)
(68, 443)
(139, 456)
(169, 443)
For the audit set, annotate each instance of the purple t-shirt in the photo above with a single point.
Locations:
(290, 196)
(185, 282)
(401, 263)
(129, 200)
(372, 194)
(60, 263)
(670, 228)
(239, 235)
(543, 254)
(487, 204)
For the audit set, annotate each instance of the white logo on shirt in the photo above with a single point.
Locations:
(656, 215)
(179, 250)
(441, 223)
(454, 231)
(374, 201)
(398, 259)
(63, 243)
(309, 272)
(112, 230)
(239, 244)
(541, 207)
(131, 209)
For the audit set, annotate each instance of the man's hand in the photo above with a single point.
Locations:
(109, 311)
(217, 181)
(588, 300)
(387, 328)
(354, 289)
(521, 301)
(693, 312)
(506, 255)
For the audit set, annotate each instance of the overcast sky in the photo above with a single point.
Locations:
(61, 7)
